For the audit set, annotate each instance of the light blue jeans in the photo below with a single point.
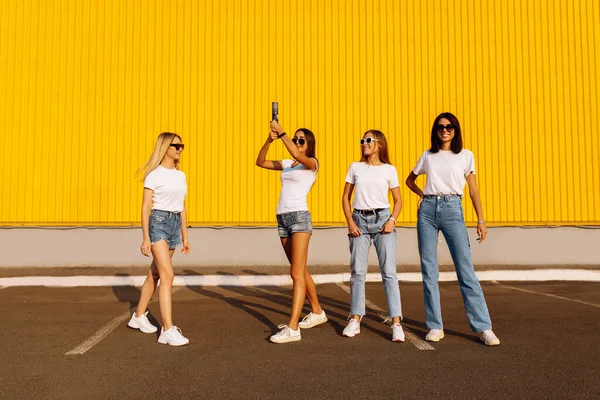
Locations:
(445, 213)
(385, 244)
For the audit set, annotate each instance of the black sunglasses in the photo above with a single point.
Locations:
(300, 141)
(368, 140)
(178, 146)
(449, 127)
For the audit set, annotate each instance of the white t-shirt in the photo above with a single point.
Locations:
(446, 172)
(169, 188)
(295, 185)
(371, 184)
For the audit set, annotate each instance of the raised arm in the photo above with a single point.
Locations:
(261, 160)
(309, 163)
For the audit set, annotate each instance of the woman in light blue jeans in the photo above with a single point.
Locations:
(448, 168)
(373, 177)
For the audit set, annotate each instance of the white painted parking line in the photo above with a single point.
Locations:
(100, 334)
(414, 339)
(549, 295)
(104, 332)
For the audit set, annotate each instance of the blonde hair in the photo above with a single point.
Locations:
(163, 142)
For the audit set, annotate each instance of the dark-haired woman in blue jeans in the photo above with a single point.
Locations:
(448, 168)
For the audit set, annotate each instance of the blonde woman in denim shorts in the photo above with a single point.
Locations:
(164, 227)
(295, 223)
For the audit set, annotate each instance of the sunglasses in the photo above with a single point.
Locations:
(299, 141)
(368, 140)
(449, 127)
(178, 146)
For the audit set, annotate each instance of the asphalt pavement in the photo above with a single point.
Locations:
(549, 332)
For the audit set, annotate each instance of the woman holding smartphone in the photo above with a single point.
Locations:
(448, 167)
(294, 223)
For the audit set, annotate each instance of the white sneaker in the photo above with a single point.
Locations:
(435, 335)
(286, 334)
(141, 323)
(397, 333)
(172, 337)
(489, 338)
(312, 319)
(352, 329)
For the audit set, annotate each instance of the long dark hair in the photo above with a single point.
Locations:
(457, 143)
(383, 147)
(311, 143)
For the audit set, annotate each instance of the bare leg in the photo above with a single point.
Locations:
(311, 289)
(299, 255)
(162, 259)
(148, 290)
(311, 293)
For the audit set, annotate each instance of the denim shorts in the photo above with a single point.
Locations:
(294, 222)
(165, 225)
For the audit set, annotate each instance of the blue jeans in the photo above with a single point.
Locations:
(385, 244)
(445, 213)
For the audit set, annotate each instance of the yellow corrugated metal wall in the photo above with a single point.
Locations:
(86, 86)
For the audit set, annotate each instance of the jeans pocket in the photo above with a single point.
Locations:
(300, 217)
(159, 219)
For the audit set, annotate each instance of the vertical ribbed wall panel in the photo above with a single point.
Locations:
(86, 86)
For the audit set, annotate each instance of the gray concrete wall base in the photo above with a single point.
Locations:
(25, 247)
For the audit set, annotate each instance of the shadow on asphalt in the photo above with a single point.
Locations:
(337, 311)
(131, 295)
(419, 328)
(240, 303)
(334, 308)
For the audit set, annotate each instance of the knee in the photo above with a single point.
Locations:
(430, 276)
(389, 276)
(297, 274)
(358, 276)
(471, 283)
(167, 278)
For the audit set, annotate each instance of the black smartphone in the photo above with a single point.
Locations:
(275, 111)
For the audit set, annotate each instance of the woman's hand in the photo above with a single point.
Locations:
(353, 230)
(481, 232)
(186, 246)
(419, 203)
(388, 227)
(272, 136)
(145, 248)
(276, 128)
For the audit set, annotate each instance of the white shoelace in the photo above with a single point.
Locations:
(307, 317)
(285, 330)
(177, 329)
